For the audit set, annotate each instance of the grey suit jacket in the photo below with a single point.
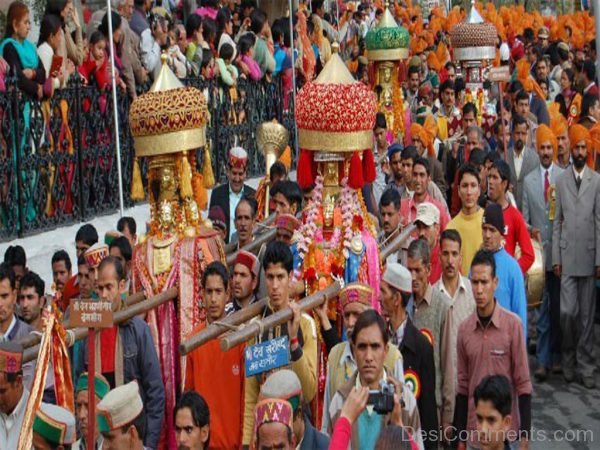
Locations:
(535, 209)
(531, 161)
(576, 232)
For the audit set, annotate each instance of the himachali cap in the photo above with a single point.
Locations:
(494, 216)
(283, 384)
(217, 217)
(120, 407)
(95, 254)
(238, 157)
(427, 214)
(101, 386)
(543, 33)
(55, 424)
(273, 410)
(287, 222)
(398, 276)
(11, 357)
(249, 260)
(111, 235)
(356, 293)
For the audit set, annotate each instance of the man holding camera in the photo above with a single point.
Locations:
(385, 404)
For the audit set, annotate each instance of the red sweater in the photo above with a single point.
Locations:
(517, 234)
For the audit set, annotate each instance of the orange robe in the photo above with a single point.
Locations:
(219, 377)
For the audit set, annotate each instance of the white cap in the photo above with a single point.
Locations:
(428, 214)
(398, 276)
(119, 407)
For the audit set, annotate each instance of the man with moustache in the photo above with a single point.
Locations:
(576, 257)
(244, 281)
(457, 290)
(521, 158)
(218, 376)
(101, 388)
(130, 337)
(245, 219)
(538, 212)
(560, 128)
(389, 210)
(31, 299)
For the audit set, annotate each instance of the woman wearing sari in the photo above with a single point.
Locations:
(568, 99)
(22, 58)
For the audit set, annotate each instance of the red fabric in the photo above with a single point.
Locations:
(342, 433)
(436, 265)
(219, 377)
(70, 291)
(517, 233)
(546, 185)
(108, 347)
(455, 201)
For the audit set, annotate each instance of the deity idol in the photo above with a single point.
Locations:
(168, 125)
(335, 116)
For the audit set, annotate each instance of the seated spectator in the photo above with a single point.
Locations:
(20, 54)
(208, 9)
(248, 65)
(16, 259)
(48, 47)
(225, 30)
(71, 49)
(228, 73)
(194, 51)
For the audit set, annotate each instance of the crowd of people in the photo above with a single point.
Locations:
(445, 362)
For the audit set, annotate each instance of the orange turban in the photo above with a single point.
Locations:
(425, 133)
(558, 123)
(544, 134)
(578, 133)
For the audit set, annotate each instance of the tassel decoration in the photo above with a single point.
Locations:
(207, 170)
(186, 178)
(368, 165)
(137, 187)
(355, 174)
(305, 172)
(200, 193)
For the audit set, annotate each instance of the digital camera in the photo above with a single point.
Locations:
(382, 400)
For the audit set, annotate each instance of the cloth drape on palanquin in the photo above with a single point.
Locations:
(168, 124)
(335, 116)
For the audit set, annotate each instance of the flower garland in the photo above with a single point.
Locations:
(346, 200)
(310, 225)
(398, 105)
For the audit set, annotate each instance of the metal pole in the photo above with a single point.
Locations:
(291, 7)
(596, 7)
(115, 112)
(91, 432)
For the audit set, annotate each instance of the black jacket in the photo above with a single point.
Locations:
(220, 197)
(417, 354)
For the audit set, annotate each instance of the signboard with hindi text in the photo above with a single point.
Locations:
(91, 314)
(267, 355)
(497, 74)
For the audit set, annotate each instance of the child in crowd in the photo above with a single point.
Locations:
(248, 65)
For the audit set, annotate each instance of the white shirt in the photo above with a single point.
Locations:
(518, 159)
(13, 323)
(578, 174)
(10, 424)
(234, 199)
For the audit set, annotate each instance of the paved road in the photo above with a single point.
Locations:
(563, 410)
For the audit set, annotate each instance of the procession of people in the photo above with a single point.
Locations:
(421, 249)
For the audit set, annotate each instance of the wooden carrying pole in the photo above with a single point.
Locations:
(253, 246)
(281, 316)
(119, 317)
(396, 243)
(214, 330)
(33, 339)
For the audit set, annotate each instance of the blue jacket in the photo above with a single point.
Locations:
(313, 439)
(510, 291)
(141, 364)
